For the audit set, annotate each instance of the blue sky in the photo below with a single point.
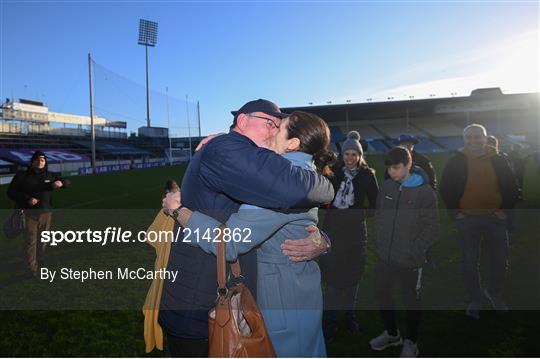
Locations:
(226, 53)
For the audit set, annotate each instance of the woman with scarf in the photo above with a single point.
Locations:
(356, 191)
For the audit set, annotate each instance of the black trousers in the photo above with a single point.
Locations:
(187, 348)
(409, 280)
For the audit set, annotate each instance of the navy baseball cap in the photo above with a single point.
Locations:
(260, 105)
(405, 137)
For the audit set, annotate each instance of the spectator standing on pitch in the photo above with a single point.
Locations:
(494, 142)
(478, 187)
(32, 191)
(345, 222)
(170, 187)
(409, 141)
(406, 225)
(511, 213)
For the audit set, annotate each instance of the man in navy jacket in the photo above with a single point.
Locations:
(230, 170)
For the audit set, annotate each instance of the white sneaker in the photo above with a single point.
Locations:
(496, 302)
(473, 310)
(409, 350)
(385, 340)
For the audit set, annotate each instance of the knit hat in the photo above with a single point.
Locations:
(38, 154)
(352, 143)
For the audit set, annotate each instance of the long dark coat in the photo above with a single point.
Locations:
(344, 265)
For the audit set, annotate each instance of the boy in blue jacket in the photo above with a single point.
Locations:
(406, 225)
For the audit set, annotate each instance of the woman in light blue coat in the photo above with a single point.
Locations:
(288, 293)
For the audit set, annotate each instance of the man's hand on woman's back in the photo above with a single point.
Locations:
(305, 249)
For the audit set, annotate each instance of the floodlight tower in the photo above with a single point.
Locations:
(147, 37)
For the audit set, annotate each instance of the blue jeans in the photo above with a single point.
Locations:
(472, 229)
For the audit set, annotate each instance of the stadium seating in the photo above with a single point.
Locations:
(393, 130)
(38, 142)
(110, 148)
(451, 142)
(427, 145)
(378, 146)
(336, 135)
(115, 149)
(369, 133)
(439, 129)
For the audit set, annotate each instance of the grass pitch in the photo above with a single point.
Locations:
(135, 196)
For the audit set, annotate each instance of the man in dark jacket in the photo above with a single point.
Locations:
(478, 187)
(32, 191)
(419, 160)
(232, 169)
(406, 225)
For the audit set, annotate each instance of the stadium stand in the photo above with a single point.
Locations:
(507, 126)
(336, 135)
(438, 122)
(439, 128)
(378, 146)
(366, 131)
(394, 128)
(10, 140)
(451, 142)
(114, 149)
(369, 133)
(427, 145)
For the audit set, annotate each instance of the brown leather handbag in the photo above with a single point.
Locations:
(235, 325)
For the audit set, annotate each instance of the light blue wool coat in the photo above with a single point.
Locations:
(288, 293)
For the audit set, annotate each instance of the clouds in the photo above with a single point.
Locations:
(511, 64)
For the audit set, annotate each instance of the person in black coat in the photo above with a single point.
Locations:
(32, 191)
(354, 184)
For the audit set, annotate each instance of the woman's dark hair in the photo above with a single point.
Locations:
(314, 136)
(398, 155)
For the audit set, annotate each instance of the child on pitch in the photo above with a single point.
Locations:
(406, 225)
(153, 333)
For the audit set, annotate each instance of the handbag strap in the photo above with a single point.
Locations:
(222, 263)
